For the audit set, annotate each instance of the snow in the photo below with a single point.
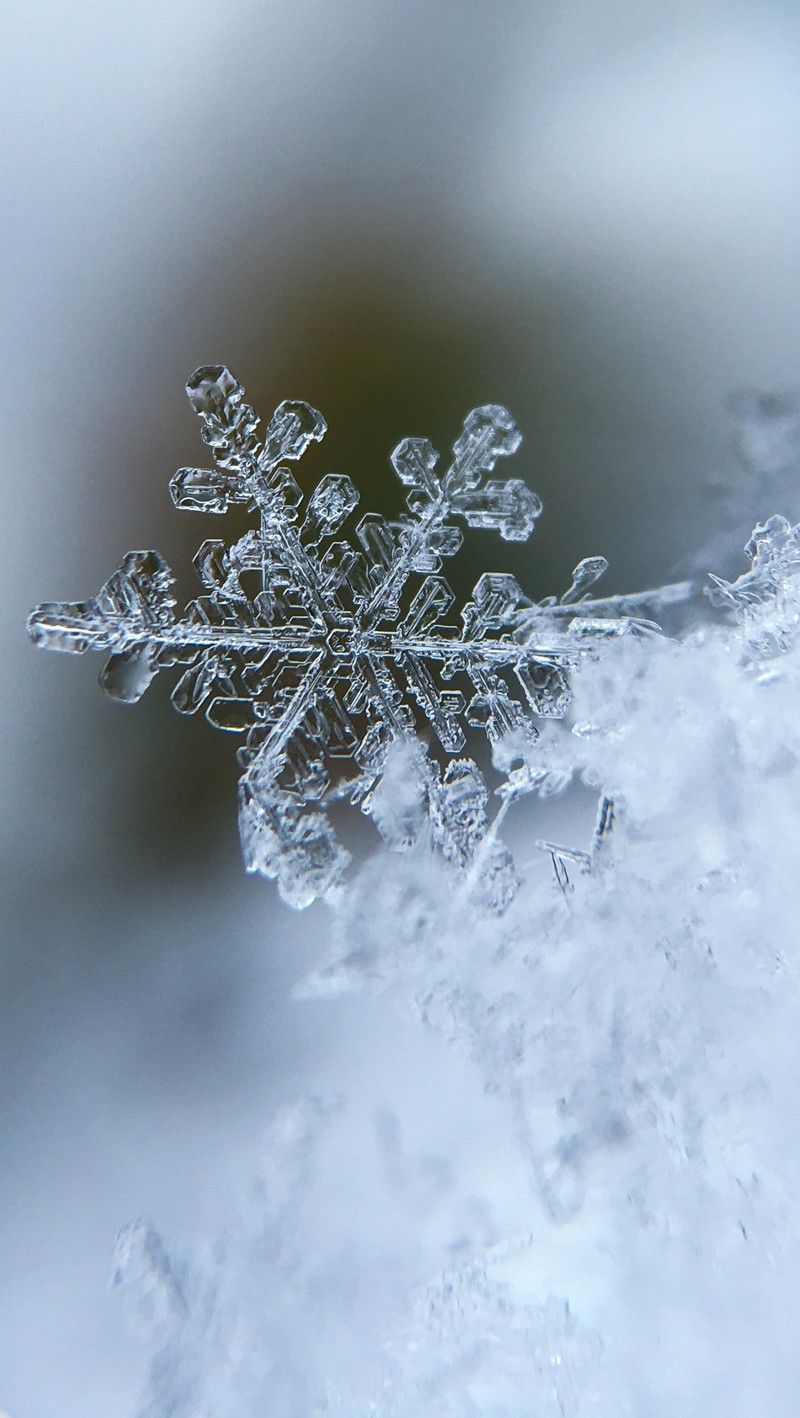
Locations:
(603, 1217)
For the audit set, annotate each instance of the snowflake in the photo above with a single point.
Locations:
(322, 651)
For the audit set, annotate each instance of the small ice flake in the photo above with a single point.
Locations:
(346, 653)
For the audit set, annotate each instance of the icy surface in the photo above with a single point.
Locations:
(328, 654)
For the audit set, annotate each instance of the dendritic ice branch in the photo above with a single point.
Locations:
(335, 659)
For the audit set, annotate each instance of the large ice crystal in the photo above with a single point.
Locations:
(324, 652)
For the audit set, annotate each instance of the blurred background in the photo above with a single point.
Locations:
(587, 211)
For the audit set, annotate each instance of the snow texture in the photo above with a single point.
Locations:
(327, 654)
(637, 1023)
(631, 1247)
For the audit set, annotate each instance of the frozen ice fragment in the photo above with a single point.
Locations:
(289, 489)
(194, 686)
(135, 605)
(212, 390)
(378, 540)
(493, 709)
(509, 508)
(433, 599)
(293, 426)
(200, 490)
(497, 593)
(495, 602)
(211, 564)
(441, 710)
(343, 567)
(546, 688)
(414, 460)
(231, 714)
(60, 625)
(126, 676)
(446, 541)
(585, 574)
(330, 505)
(489, 433)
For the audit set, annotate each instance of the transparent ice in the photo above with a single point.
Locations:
(327, 654)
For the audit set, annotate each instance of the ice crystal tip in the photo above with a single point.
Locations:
(212, 390)
(331, 652)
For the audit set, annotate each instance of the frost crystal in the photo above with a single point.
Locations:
(319, 649)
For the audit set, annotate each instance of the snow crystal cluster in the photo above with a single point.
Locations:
(631, 1011)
